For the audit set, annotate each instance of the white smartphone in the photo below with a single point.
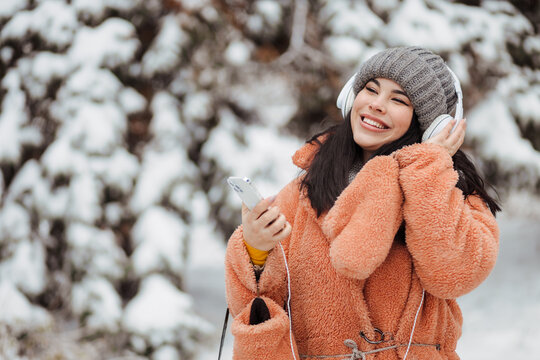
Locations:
(245, 189)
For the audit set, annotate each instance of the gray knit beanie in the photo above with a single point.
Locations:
(422, 74)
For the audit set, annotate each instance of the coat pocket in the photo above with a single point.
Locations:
(269, 339)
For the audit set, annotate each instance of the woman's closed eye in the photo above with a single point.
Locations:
(371, 90)
(400, 101)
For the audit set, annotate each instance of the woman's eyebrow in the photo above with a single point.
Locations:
(396, 91)
(400, 93)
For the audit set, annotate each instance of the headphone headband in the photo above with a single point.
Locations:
(457, 86)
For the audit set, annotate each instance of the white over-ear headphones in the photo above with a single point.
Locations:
(346, 98)
(442, 120)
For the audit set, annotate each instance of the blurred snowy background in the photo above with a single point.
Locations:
(120, 120)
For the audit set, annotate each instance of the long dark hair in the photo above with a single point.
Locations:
(327, 175)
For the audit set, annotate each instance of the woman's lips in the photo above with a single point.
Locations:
(372, 123)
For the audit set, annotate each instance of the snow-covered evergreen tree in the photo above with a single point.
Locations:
(121, 119)
(96, 177)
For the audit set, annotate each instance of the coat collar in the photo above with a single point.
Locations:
(304, 156)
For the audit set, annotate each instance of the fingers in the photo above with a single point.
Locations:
(456, 138)
(277, 225)
(283, 233)
(452, 141)
(448, 128)
(269, 216)
(259, 209)
(441, 137)
(264, 225)
(245, 210)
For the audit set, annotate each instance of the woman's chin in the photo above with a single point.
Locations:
(368, 144)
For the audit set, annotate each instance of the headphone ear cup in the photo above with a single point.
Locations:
(349, 100)
(346, 96)
(436, 126)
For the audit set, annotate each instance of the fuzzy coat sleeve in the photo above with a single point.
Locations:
(364, 219)
(453, 240)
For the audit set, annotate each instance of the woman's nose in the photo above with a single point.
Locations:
(376, 105)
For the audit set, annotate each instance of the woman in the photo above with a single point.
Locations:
(376, 239)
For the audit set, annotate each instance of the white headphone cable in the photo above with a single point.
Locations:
(414, 324)
(290, 314)
(288, 299)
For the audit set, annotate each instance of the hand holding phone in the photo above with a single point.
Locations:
(263, 225)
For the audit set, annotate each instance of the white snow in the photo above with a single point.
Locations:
(161, 314)
(532, 45)
(238, 53)
(9, 7)
(12, 118)
(344, 49)
(26, 267)
(54, 22)
(114, 213)
(197, 106)
(22, 315)
(181, 197)
(61, 159)
(159, 237)
(14, 222)
(38, 72)
(51, 204)
(385, 5)
(265, 158)
(195, 5)
(24, 181)
(526, 104)
(111, 44)
(90, 8)
(94, 251)
(6, 54)
(269, 95)
(84, 199)
(501, 316)
(492, 125)
(165, 51)
(96, 128)
(131, 101)
(118, 171)
(271, 11)
(353, 19)
(96, 9)
(413, 21)
(87, 83)
(96, 300)
(167, 123)
(166, 352)
(159, 172)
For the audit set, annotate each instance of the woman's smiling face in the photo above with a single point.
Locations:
(381, 113)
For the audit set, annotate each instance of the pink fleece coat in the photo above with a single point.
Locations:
(348, 275)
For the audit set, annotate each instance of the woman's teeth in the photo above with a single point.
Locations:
(373, 123)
